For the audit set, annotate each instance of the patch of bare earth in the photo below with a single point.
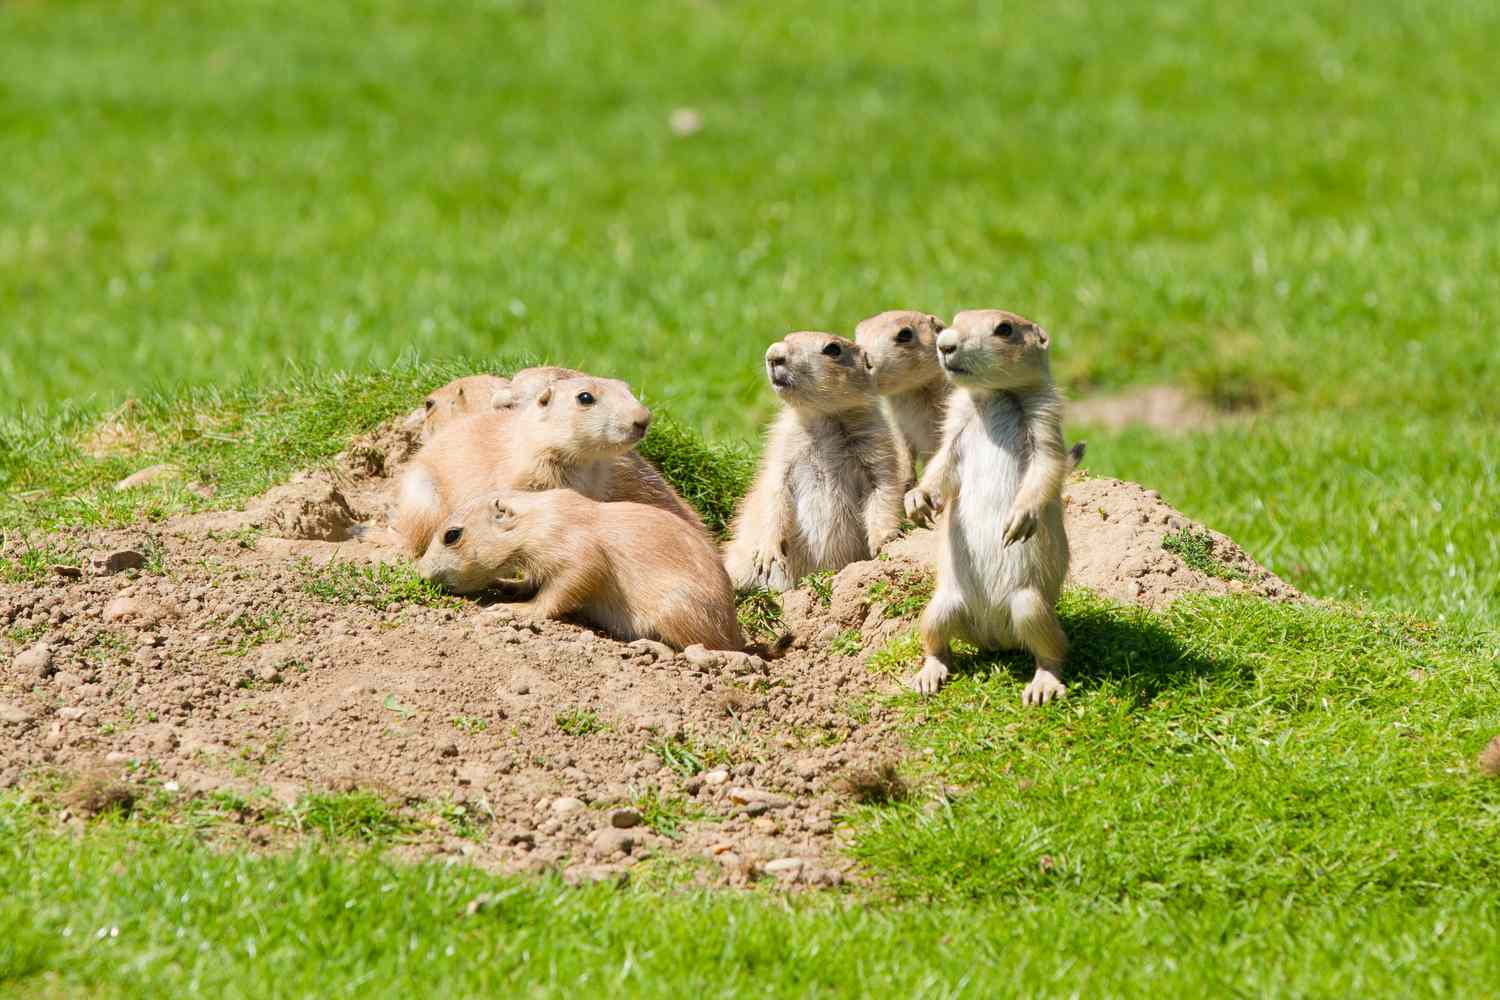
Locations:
(1159, 407)
(565, 749)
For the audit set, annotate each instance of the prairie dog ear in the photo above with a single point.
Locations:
(503, 399)
(937, 325)
(502, 513)
(544, 397)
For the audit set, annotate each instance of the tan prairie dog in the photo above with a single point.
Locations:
(463, 397)
(902, 347)
(997, 479)
(634, 571)
(829, 488)
(576, 433)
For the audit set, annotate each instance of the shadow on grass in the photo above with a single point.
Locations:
(1131, 647)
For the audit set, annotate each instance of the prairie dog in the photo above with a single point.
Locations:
(576, 433)
(829, 488)
(635, 571)
(462, 397)
(997, 478)
(528, 383)
(902, 345)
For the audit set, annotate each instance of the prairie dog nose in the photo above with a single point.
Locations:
(642, 419)
(776, 355)
(947, 342)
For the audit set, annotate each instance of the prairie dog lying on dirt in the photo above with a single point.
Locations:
(902, 345)
(576, 432)
(998, 479)
(635, 571)
(829, 488)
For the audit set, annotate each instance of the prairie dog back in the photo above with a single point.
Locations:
(902, 346)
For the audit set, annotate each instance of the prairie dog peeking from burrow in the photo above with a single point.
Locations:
(634, 571)
(829, 488)
(997, 479)
(902, 346)
(463, 397)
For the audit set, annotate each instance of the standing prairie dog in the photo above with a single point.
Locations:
(902, 345)
(997, 478)
(635, 571)
(576, 432)
(829, 488)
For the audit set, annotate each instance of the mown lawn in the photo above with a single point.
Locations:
(1289, 209)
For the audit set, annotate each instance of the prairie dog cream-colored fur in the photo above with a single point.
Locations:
(463, 397)
(829, 488)
(634, 571)
(997, 479)
(902, 346)
(575, 433)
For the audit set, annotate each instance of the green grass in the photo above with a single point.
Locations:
(275, 225)
(358, 816)
(1196, 549)
(377, 585)
(579, 722)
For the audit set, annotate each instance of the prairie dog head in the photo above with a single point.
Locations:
(528, 383)
(902, 345)
(484, 540)
(820, 372)
(994, 349)
(585, 418)
(459, 398)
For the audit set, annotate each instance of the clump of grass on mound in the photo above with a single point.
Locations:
(378, 585)
(1196, 548)
(357, 815)
(711, 477)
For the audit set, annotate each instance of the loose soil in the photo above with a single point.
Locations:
(213, 663)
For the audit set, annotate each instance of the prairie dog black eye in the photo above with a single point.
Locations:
(586, 398)
(429, 403)
(833, 350)
(452, 535)
(1005, 329)
(905, 335)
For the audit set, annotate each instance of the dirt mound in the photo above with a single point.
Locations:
(1127, 544)
(258, 654)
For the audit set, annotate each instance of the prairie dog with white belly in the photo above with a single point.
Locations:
(902, 346)
(829, 488)
(997, 478)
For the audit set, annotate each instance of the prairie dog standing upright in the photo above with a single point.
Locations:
(997, 478)
(635, 571)
(574, 433)
(902, 345)
(829, 488)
